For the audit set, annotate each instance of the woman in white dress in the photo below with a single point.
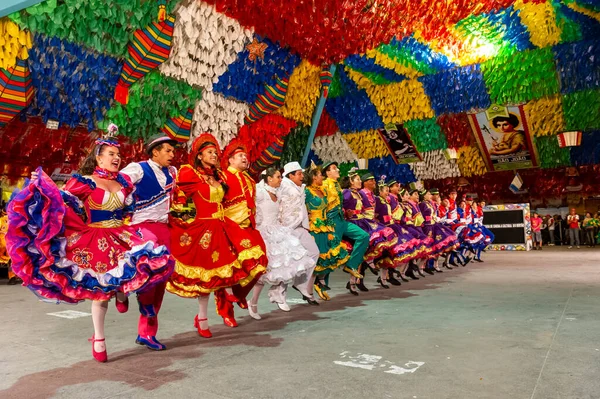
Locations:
(289, 261)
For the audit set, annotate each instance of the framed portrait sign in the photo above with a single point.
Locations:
(504, 138)
(399, 144)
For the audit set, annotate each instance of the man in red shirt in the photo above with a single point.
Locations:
(573, 223)
(536, 228)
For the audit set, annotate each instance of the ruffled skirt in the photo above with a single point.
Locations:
(61, 259)
(287, 257)
(381, 238)
(408, 246)
(444, 240)
(212, 254)
(333, 253)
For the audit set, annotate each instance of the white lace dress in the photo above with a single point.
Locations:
(287, 257)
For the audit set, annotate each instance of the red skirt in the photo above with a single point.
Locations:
(212, 254)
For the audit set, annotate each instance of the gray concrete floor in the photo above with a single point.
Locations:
(520, 325)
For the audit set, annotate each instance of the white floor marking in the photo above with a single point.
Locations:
(562, 316)
(371, 362)
(69, 314)
(401, 370)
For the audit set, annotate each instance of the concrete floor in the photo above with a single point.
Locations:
(520, 325)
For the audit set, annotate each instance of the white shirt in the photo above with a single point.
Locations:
(159, 212)
(267, 210)
(292, 205)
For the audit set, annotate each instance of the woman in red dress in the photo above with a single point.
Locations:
(72, 245)
(212, 252)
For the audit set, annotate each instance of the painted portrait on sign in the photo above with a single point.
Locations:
(399, 144)
(504, 139)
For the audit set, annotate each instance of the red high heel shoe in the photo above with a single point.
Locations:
(230, 322)
(101, 357)
(231, 297)
(203, 333)
(122, 307)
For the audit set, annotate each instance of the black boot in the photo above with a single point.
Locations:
(411, 274)
(429, 271)
(382, 284)
(392, 280)
(349, 288)
(360, 284)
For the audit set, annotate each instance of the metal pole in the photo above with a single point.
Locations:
(315, 121)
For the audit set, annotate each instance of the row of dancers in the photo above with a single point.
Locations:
(110, 233)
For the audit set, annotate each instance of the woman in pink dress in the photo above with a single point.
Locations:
(72, 245)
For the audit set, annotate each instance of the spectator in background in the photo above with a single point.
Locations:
(589, 224)
(551, 228)
(573, 225)
(536, 227)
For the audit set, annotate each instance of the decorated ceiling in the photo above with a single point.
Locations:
(276, 73)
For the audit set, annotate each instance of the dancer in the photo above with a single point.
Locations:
(289, 261)
(478, 222)
(213, 253)
(103, 257)
(380, 237)
(453, 221)
(472, 238)
(154, 182)
(333, 253)
(293, 214)
(239, 206)
(407, 247)
(343, 229)
(443, 240)
(413, 220)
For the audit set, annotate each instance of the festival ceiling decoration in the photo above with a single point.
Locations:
(16, 91)
(255, 69)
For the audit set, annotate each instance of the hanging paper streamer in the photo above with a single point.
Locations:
(327, 125)
(578, 65)
(270, 101)
(14, 43)
(386, 166)
(570, 31)
(268, 157)
(435, 166)
(206, 42)
(456, 128)
(152, 101)
(72, 85)
(470, 162)
(106, 27)
(415, 55)
(375, 72)
(258, 136)
(303, 93)
(456, 90)
(587, 20)
(16, 91)
(220, 116)
(294, 146)
(588, 153)
(550, 153)
(333, 148)
(521, 77)
(180, 127)
(400, 102)
(244, 80)
(149, 48)
(367, 144)
(581, 110)
(363, 82)
(540, 19)
(346, 99)
(426, 134)
(325, 77)
(546, 116)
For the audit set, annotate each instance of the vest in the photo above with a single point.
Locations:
(148, 192)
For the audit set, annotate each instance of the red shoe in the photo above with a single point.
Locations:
(203, 333)
(230, 322)
(242, 303)
(101, 357)
(122, 307)
(231, 297)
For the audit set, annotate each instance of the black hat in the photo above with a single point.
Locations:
(392, 182)
(434, 191)
(157, 139)
(328, 164)
(367, 176)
